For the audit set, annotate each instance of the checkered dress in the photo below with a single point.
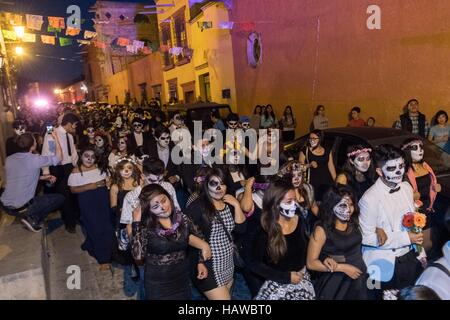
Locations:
(222, 249)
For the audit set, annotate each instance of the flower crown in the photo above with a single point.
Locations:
(356, 152)
(125, 159)
(406, 146)
(199, 179)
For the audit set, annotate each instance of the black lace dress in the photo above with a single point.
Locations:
(166, 263)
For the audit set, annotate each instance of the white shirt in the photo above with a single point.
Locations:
(139, 137)
(48, 148)
(381, 209)
(80, 179)
(131, 202)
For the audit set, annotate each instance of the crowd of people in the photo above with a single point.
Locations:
(309, 231)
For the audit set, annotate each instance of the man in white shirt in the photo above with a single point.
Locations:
(390, 261)
(65, 133)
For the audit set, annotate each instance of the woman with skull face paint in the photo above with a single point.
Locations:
(161, 236)
(319, 159)
(423, 180)
(293, 172)
(102, 149)
(89, 183)
(122, 150)
(334, 250)
(88, 139)
(218, 215)
(279, 250)
(358, 172)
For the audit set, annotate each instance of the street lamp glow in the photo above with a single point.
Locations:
(41, 103)
(19, 51)
(57, 91)
(20, 31)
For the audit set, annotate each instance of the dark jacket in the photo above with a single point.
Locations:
(406, 123)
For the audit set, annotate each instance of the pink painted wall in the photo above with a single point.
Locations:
(340, 63)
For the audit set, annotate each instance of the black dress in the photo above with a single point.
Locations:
(359, 187)
(423, 186)
(344, 248)
(320, 177)
(166, 264)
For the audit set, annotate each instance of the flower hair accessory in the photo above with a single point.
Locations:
(199, 179)
(124, 159)
(261, 186)
(357, 152)
(406, 146)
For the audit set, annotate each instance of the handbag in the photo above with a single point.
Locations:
(272, 290)
(237, 258)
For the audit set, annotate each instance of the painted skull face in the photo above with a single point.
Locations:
(232, 124)
(164, 140)
(20, 130)
(137, 126)
(122, 145)
(90, 132)
(362, 162)
(88, 158)
(178, 120)
(160, 206)
(417, 151)
(344, 209)
(99, 142)
(216, 188)
(289, 204)
(393, 170)
(151, 178)
(245, 125)
(141, 159)
(126, 171)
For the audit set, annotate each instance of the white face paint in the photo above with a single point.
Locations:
(127, 171)
(289, 209)
(160, 206)
(99, 142)
(141, 159)
(122, 145)
(88, 159)
(137, 127)
(91, 133)
(393, 170)
(151, 178)
(164, 140)
(362, 162)
(417, 151)
(177, 120)
(21, 130)
(216, 188)
(314, 141)
(232, 124)
(344, 209)
(245, 125)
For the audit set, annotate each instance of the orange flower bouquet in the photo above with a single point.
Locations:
(415, 222)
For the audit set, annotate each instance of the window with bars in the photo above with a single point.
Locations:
(166, 40)
(180, 30)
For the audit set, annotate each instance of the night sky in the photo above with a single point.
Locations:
(52, 69)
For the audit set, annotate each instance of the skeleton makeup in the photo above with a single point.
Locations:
(160, 206)
(216, 188)
(245, 125)
(141, 159)
(232, 124)
(90, 132)
(127, 171)
(289, 209)
(137, 127)
(151, 178)
(178, 120)
(416, 148)
(20, 130)
(99, 142)
(393, 170)
(164, 140)
(88, 158)
(343, 209)
(362, 162)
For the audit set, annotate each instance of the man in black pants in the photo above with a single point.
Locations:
(65, 131)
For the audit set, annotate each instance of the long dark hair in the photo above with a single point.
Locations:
(277, 246)
(327, 218)
(148, 218)
(407, 151)
(260, 109)
(350, 170)
(117, 178)
(266, 112)
(209, 210)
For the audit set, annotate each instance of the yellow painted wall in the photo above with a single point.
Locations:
(118, 84)
(146, 70)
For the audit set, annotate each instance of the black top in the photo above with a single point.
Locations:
(11, 146)
(423, 186)
(320, 177)
(358, 187)
(344, 248)
(293, 260)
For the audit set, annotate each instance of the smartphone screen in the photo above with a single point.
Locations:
(49, 129)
